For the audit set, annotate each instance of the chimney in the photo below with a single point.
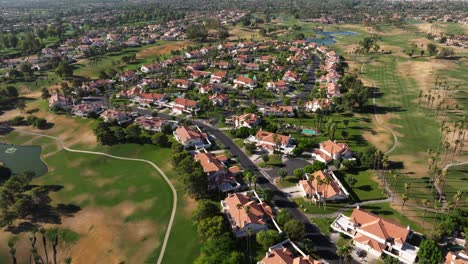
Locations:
(357, 207)
(408, 227)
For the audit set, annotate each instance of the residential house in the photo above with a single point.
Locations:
(218, 77)
(377, 236)
(181, 83)
(210, 87)
(330, 150)
(191, 138)
(181, 105)
(272, 142)
(219, 99)
(217, 172)
(333, 90)
(291, 77)
(279, 86)
(199, 74)
(128, 76)
(251, 66)
(281, 254)
(311, 188)
(85, 109)
(242, 81)
(131, 93)
(59, 101)
(148, 99)
(316, 104)
(111, 115)
(248, 120)
(456, 257)
(151, 68)
(246, 213)
(155, 124)
(220, 65)
(278, 110)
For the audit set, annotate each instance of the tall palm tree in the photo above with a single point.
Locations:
(404, 198)
(395, 178)
(249, 234)
(344, 253)
(327, 182)
(239, 207)
(457, 197)
(44, 243)
(436, 208)
(254, 179)
(12, 250)
(426, 203)
(319, 183)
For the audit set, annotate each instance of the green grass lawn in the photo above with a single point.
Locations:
(108, 183)
(366, 187)
(309, 207)
(323, 224)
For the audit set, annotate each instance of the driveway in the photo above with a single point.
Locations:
(293, 191)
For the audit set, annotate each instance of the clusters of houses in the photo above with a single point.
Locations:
(460, 41)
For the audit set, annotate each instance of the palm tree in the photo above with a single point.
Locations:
(344, 252)
(311, 179)
(249, 234)
(239, 207)
(327, 182)
(319, 183)
(457, 197)
(404, 198)
(395, 177)
(446, 146)
(44, 243)
(426, 203)
(68, 260)
(12, 249)
(254, 179)
(436, 208)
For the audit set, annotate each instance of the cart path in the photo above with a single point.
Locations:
(174, 192)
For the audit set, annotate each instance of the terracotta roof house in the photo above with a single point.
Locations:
(59, 101)
(218, 77)
(147, 99)
(279, 86)
(280, 254)
(246, 120)
(245, 212)
(154, 123)
(181, 83)
(330, 192)
(251, 66)
(278, 110)
(128, 76)
(219, 99)
(290, 76)
(199, 74)
(151, 68)
(111, 115)
(220, 65)
(181, 105)
(84, 110)
(330, 150)
(376, 235)
(456, 257)
(190, 137)
(333, 90)
(131, 93)
(242, 81)
(210, 87)
(272, 142)
(217, 172)
(316, 104)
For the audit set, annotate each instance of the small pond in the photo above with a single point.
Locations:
(22, 158)
(328, 38)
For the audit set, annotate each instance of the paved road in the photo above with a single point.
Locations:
(174, 192)
(326, 249)
(310, 78)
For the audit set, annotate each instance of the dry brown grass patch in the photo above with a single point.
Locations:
(162, 49)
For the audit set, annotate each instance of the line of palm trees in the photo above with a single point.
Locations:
(250, 232)
(46, 235)
(326, 181)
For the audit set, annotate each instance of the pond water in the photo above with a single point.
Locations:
(22, 158)
(328, 38)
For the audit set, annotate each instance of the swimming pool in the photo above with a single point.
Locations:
(309, 132)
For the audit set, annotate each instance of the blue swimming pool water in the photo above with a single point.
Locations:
(309, 132)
